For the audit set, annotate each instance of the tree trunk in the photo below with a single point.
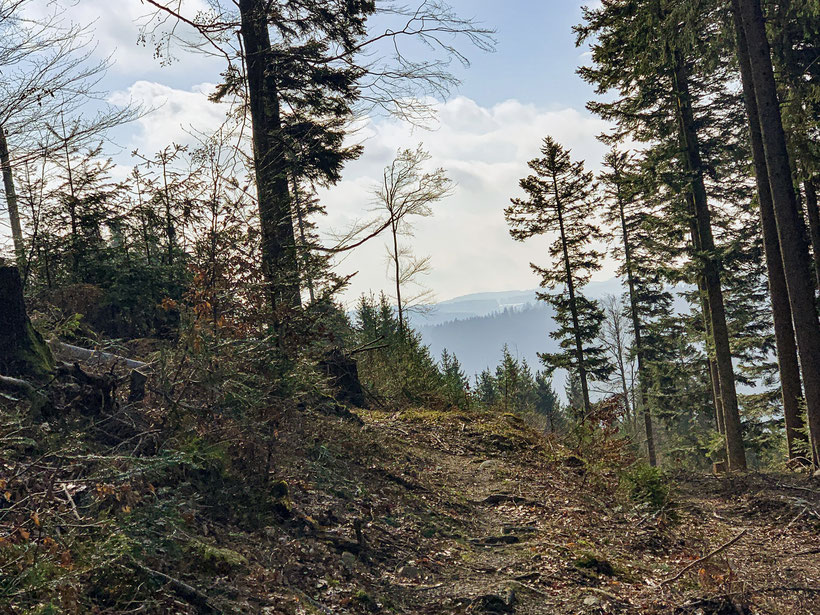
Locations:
(813, 216)
(714, 381)
(170, 229)
(576, 325)
(11, 201)
(705, 249)
(300, 220)
(279, 254)
(714, 377)
(790, 227)
(636, 330)
(394, 230)
(789, 368)
(23, 352)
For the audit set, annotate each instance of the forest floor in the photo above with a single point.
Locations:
(466, 513)
(423, 511)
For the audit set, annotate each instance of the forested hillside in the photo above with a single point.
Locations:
(197, 417)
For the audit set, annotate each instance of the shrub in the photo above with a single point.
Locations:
(646, 485)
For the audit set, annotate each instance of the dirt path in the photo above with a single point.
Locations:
(466, 514)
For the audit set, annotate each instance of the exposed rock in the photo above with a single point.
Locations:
(348, 559)
(410, 572)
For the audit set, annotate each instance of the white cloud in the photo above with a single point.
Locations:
(115, 26)
(174, 114)
(484, 149)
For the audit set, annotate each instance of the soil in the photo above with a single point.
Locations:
(415, 512)
(449, 512)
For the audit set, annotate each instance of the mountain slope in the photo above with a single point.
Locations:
(415, 511)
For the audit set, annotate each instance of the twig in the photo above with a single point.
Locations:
(782, 486)
(71, 501)
(786, 588)
(722, 547)
(800, 553)
(535, 590)
(190, 594)
(606, 594)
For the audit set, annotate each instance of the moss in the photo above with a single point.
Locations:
(590, 561)
(280, 489)
(363, 598)
(23, 351)
(211, 558)
(37, 354)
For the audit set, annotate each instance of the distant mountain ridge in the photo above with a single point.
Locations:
(475, 327)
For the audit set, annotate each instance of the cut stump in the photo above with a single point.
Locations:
(23, 351)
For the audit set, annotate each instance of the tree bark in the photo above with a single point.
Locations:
(714, 381)
(300, 220)
(23, 352)
(397, 264)
(636, 330)
(790, 227)
(279, 253)
(714, 377)
(579, 346)
(11, 201)
(705, 249)
(813, 216)
(790, 387)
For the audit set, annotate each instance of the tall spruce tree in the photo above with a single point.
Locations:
(790, 225)
(559, 200)
(619, 187)
(651, 53)
(788, 366)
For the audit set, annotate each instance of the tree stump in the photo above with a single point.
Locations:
(23, 351)
(343, 375)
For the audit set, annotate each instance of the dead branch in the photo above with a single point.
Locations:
(722, 547)
(17, 386)
(190, 594)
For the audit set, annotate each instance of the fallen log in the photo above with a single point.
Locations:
(139, 369)
(84, 354)
(17, 386)
(188, 593)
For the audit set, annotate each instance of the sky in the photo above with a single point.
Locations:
(483, 136)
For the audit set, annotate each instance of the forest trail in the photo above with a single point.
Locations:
(416, 511)
(478, 513)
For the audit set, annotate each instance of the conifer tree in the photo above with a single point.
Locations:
(456, 383)
(652, 54)
(546, 401)
(788, 366)
(620, 193)
(575, 395)
(790, 225)
(559, 200)
(485, 388)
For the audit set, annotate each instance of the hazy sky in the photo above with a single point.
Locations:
(507, 103)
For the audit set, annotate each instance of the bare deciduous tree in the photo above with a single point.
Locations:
(408, 191)
(48, 79)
